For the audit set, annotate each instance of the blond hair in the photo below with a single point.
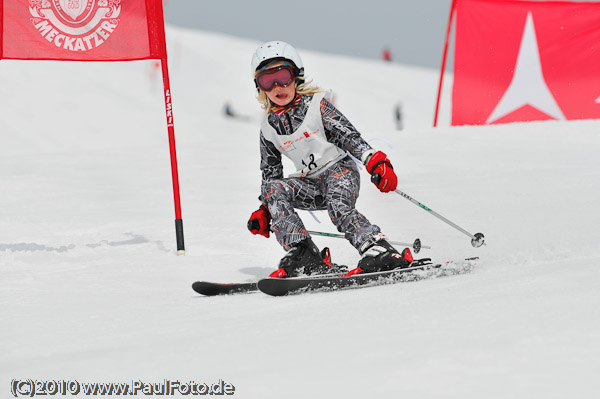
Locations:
(302, 87)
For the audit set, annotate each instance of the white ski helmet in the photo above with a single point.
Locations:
(277, 50)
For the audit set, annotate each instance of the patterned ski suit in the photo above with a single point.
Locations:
(317, 139)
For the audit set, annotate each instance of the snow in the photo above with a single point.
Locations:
(92, 289)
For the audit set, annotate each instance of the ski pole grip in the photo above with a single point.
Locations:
(375, 178)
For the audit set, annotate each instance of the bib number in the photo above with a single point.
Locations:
(311, 164)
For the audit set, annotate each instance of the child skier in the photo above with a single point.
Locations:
(303, 125)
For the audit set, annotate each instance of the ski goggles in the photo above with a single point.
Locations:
(282, 76)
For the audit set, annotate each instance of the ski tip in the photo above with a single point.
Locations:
(197, 286)
(208, 288)
(267, 286)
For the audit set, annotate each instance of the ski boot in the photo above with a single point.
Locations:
(305, 259)
(379, 255)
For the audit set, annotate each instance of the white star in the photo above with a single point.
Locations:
(527, 86)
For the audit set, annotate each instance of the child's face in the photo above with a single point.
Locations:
(281, 96)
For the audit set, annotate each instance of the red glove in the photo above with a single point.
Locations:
(382, 172)
(260, 221)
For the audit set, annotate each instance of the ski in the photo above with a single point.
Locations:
(296, 285)
(211, 289)
(329, 282)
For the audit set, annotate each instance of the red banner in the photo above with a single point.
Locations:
(525, 61)
(82, 30)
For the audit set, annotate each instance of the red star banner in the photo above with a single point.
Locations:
(82, 30)
(525, 61)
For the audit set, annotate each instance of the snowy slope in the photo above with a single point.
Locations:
(91, 289)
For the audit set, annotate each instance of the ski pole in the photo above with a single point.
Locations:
(415, 245)
(477, 240)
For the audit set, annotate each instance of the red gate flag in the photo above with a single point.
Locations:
(82, 30)
(92, 30)
(525, 61)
